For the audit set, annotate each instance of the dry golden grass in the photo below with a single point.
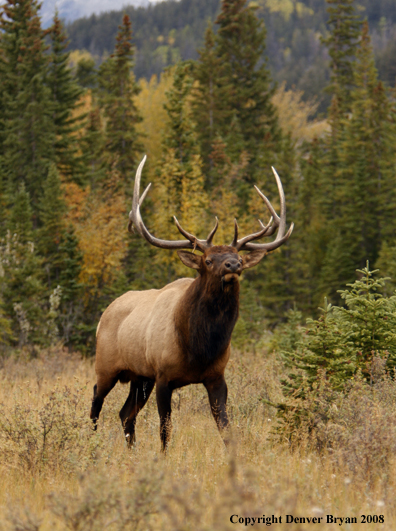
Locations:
(75, 479)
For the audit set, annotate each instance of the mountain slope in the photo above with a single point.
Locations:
(172, 30)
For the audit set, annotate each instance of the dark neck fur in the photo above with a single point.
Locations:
(205, 319)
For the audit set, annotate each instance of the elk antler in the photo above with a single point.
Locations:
(266, 230)
(135, 219)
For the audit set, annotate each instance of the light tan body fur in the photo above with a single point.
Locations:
(137, 334)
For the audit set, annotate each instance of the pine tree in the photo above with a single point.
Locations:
(364, 195)
(206, 100)
(23, 267)
(71, 288)
(65, 97)
(93, 145)
(342, 43)
(336, 238)
(310, 242)
(52, 210)
(345, 339)
(86, 73)
(248, 119)
(117, 91)
(181, 134)
(20, 217)
(27, 137)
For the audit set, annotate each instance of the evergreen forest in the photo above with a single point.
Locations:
(212, 123)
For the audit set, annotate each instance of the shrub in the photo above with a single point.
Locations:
(106, 503)
(343, 340)
(55, 435)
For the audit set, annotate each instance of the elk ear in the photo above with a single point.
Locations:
(253, 258)
(190, 259)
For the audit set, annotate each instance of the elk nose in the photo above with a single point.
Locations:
(232, 266)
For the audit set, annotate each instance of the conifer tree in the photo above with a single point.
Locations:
(27, 137)
(86, 73)
(70, 272)
(248, 119)
(310, 242)
(332, 193)
(93, 145)
(206, 101)
(365, 194)
(71, 288)
(181, 133)
(52, 210)
(344, 339)
(23, 267)
(117, 91)
(61, 258)
(65, 95)
(342, 42)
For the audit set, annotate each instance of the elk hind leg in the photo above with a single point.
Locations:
(138, 395)
(101, 389)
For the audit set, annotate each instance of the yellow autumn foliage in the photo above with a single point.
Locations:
(103, 240)
(294, 115)
(194, 200)
(225, 203)
(285, 7)
(75, 57)
(99, 220)
(150, 103)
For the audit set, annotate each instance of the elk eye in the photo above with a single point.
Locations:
(208, 262)
(240, 260)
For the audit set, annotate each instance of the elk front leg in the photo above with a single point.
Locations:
(217, 392)
(164, 399)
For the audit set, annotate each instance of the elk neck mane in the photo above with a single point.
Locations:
(205, 319)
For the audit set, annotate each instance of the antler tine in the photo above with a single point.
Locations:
(271, 227)
(278, 222)
(135, 218)
(270, 207)
(255, 236)
(212, 232)
(202, 245)
(144, 194)
(234, 242)
(134, 215)
(282, 225)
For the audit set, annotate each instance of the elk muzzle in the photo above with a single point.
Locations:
(232, 270)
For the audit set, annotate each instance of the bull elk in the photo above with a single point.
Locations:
(180, 334)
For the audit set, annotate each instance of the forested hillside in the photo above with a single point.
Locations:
(169, 31)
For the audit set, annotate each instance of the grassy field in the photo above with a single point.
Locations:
(56, 473)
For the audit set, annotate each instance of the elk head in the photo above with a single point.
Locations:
(222, 261)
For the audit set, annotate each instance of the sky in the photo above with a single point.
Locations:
(72, 9)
